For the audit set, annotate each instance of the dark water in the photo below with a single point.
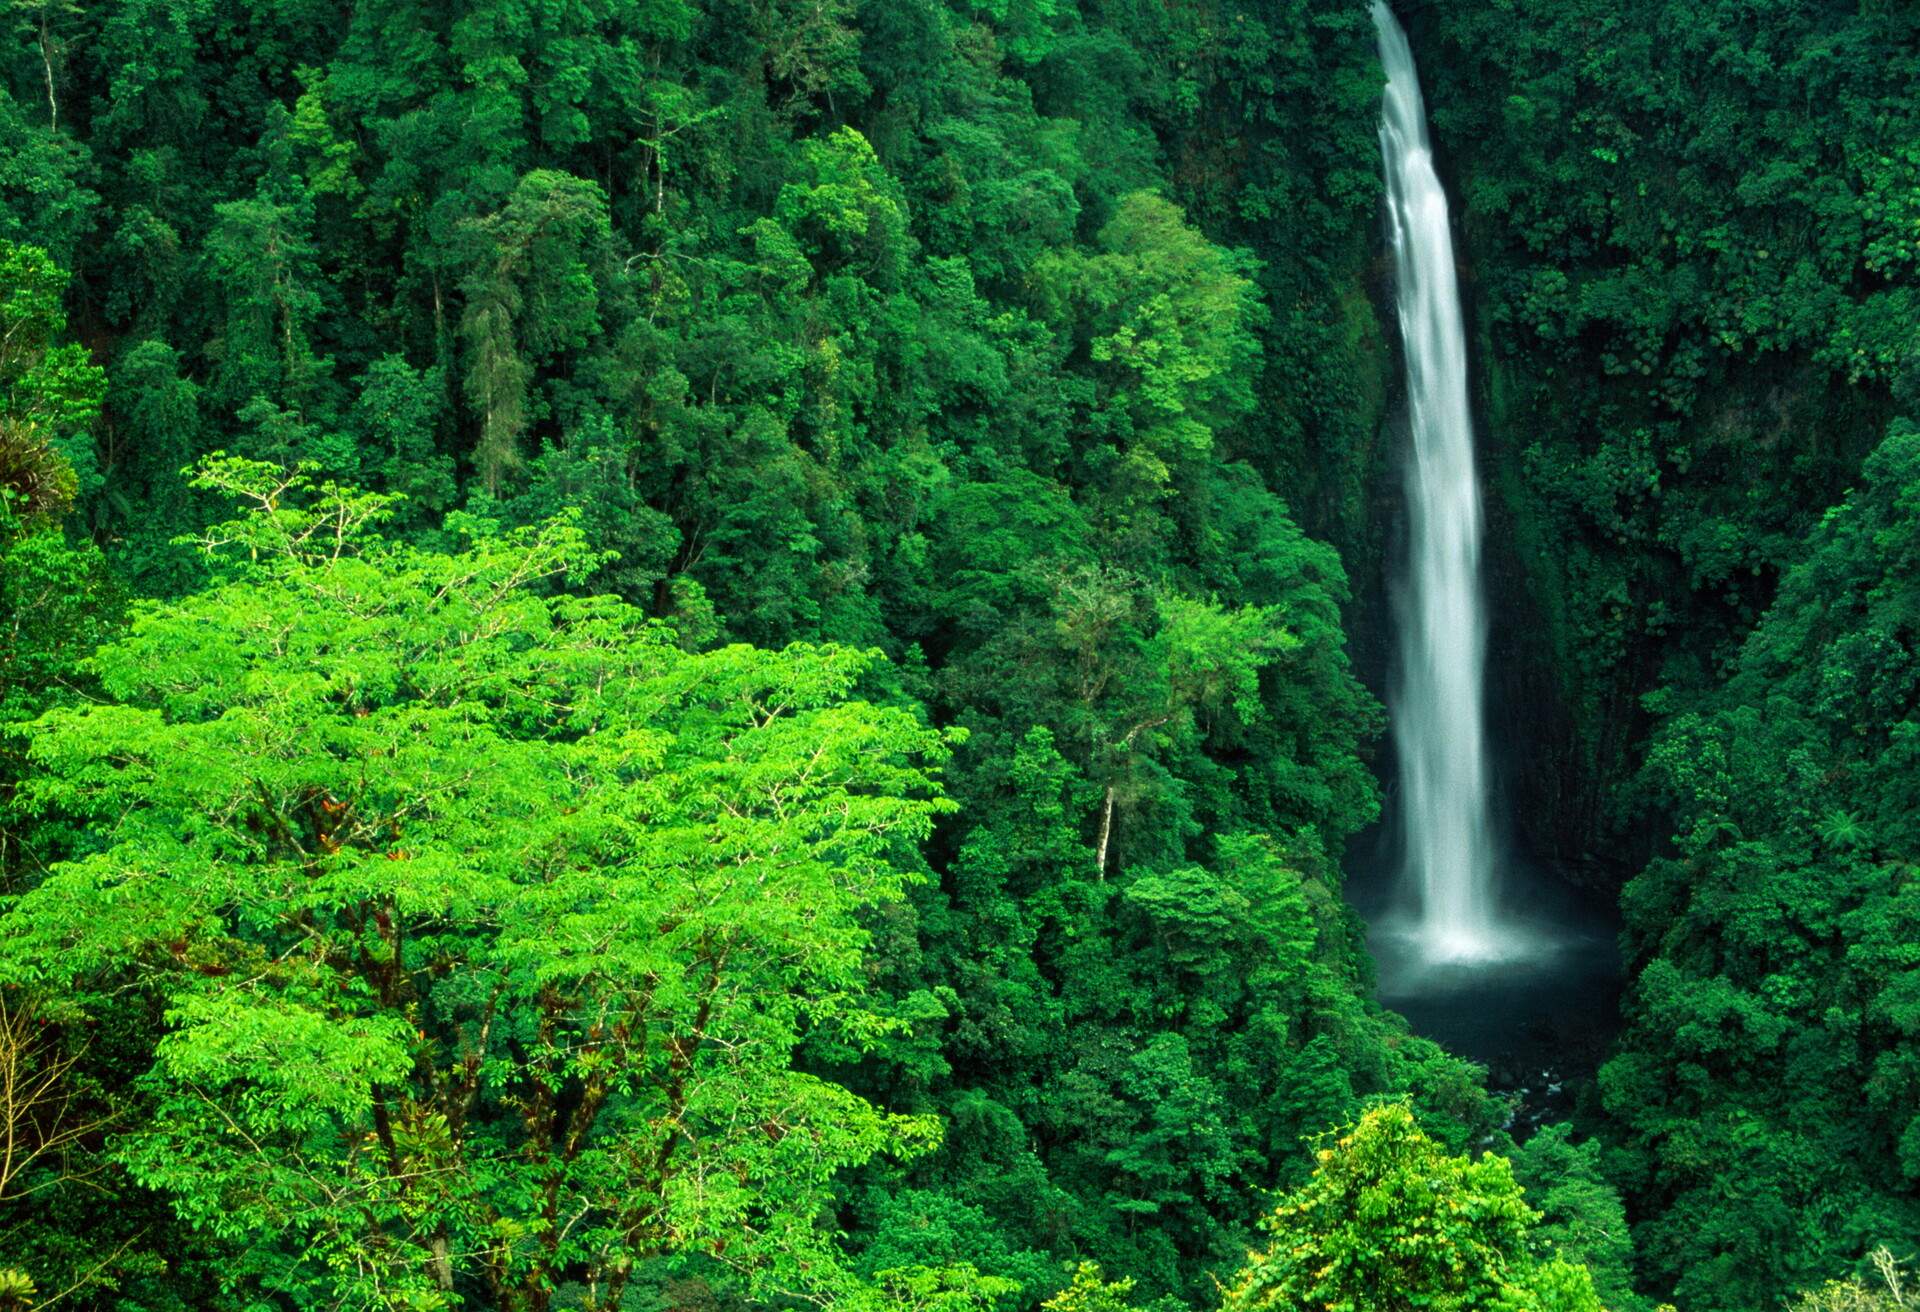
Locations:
(1539, 1017)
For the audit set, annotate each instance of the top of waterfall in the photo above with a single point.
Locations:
(1404, 107)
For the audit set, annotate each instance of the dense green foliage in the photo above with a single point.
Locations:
(1778, 942)
(918, 327)
(483, 923)
(1390, 1223)
(916, 452)
(1693, 230)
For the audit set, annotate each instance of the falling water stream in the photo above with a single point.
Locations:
(1438, 700)
(1511, 967)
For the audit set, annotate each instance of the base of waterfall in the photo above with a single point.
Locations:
(1409, 945)
(1538, 924)
(1531, 992)
(1473, 944)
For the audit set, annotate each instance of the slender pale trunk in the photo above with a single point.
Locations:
(46, 65)
(1106, 830)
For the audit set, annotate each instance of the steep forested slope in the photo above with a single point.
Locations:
(1692, 234)
(927, 327)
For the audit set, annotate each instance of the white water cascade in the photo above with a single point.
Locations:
(1437, 701)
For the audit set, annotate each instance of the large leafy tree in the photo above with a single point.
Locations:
(1390, 1223)
(1165, 318)
(486, 920)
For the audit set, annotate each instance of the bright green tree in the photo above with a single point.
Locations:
(1165, 318)
(1390, 1222)
(486, 919)
(1887, 1291)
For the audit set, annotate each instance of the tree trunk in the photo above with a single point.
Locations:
(46, 64)
(1106, 830)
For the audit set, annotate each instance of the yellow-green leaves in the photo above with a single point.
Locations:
(1390, 1223)
(486, 919)
(844, 206)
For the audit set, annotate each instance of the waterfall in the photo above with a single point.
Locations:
(1436, 702)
